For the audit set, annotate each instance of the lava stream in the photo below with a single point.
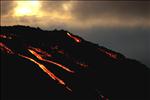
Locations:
(44, 69)
(3, 47)
(75, 38)
(49, 61)
(44, 53)
(110, 54)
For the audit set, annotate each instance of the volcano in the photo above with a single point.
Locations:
(39, 64)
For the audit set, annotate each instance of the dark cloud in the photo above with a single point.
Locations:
(123, 9)
(86, 14)
(90, 14)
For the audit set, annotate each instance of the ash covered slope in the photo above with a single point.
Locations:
(54, 65)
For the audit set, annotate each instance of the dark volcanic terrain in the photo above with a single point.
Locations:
(57, 65)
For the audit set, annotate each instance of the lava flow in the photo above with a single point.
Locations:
(75, 38)
(69, 68)
(43, 53)
(44, 69)
(49, 61)
(110, 54)
(3, 47)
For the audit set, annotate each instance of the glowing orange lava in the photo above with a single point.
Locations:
(49, 61)
(82, 64)
(44, 69)
(75, 38)
(3, 47)
(44, 53)
(110, 54)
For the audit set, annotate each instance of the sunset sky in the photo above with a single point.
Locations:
(123, 26)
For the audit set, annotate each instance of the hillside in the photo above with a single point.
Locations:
(38, 64)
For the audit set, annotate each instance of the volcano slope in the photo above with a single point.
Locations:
(57, 65)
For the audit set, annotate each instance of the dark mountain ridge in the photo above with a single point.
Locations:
(43, 65)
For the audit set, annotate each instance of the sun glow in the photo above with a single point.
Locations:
(27, 8)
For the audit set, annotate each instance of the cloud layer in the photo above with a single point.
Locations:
(79, 14)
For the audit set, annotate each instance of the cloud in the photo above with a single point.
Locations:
(6, 7)
(106, 13)
(84, 14)
(88, 9)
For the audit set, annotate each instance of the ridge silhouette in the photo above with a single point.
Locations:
(51, 65)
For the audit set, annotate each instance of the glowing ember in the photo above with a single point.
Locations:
(110, 54)
(44, 69)
(75, 38)
(61, 51)
(82, 64)
(2, 36)
(3, 47)
(101, 97)
(5, 37)
(44, 53)
(49, 61)
(68, 88)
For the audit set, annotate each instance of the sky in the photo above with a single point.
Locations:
(122, 26)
